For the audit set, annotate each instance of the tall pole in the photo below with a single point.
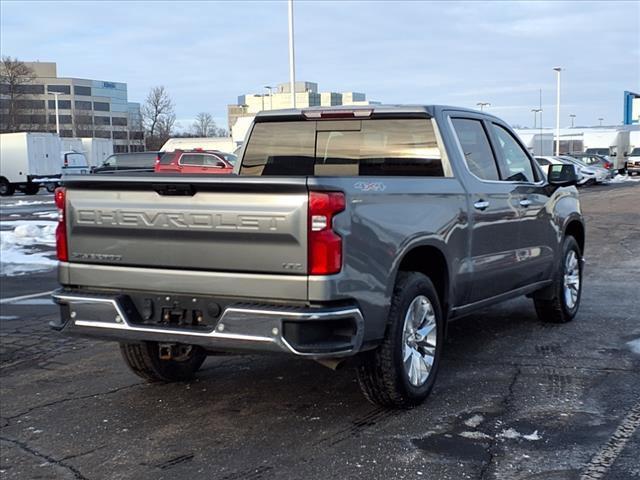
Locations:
(482, 105)
(535, 115)
(541, 142)
(572, 116)
(558, 70)
(270, 88)
(292, 61)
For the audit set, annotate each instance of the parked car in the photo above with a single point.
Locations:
(193, 162)
(586, 175)
(633, 161)
(128, 161)
(593, 160)
(348, 232)
(593, 173)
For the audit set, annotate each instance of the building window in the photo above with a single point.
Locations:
(103, 134)
(119, 135)
(32, 104)
(101, 106)
(79, 90)
(81, 105)
(136, 135)
(66, 89)
(119, 149)
(64, 119)
(66, 133)
(102, 120)
(30, 89)
(62, 104)
(119, 121)
(31, 119)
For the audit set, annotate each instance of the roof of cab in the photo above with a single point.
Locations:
(378, 111)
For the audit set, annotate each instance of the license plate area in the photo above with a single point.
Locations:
(176, 312)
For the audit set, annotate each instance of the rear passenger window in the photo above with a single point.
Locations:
(192, 159)
(515, 160)
(393, 147)
(476, 148)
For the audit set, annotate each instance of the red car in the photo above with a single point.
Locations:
(193, 162)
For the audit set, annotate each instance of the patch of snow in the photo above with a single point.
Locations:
(508, 433)
(14, 215)
(512, 434)
(21, 203)
(474, 421)
(634, 345)
(475, 435)
(16, 256)
(622, 179)
(53, 215)
(532, 437)
(8, 317)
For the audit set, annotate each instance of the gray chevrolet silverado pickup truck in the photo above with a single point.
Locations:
(347, 235)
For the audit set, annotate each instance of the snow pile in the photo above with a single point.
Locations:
(53, 215)
(21, 248)
(474, 421)
(623, 179)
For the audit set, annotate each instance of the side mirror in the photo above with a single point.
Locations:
(614, 154)
(562, 175)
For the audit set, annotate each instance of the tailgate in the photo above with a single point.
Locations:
(233, 224)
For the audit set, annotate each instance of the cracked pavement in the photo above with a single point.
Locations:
(515, 399)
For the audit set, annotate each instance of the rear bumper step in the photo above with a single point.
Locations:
(306, 332)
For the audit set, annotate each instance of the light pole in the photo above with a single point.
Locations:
(482, 105)
(572, 116)
(292, 61)
(268, 87)
(600, 120)
(558, 70)
(56, 94)
(535, 114)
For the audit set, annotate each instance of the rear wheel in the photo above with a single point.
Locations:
(31, 188)
(6, 189)
(51, 187)
(145, 361)
(560, 302)
(401, 372)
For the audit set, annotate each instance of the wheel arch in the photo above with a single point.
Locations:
(430, 260)
(575, 228)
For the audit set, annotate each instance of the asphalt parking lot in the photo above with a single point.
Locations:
(515, 398)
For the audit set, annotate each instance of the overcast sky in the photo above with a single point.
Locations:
(208, 53)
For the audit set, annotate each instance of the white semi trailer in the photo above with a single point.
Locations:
(28, 159)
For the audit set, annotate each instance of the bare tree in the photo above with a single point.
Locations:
(165, 127)
(14, 76)
(204, 126)
(158, 116)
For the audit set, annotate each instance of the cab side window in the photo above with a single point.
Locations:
(516, 163)
(476, 148)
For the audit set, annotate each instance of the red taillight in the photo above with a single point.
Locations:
(325, 246)
(607, 165)
(61, 230)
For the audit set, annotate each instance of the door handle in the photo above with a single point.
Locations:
(525, 202)
(481, 204)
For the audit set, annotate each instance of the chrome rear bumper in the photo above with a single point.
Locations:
(240, 327)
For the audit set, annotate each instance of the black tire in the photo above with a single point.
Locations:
(551, 303)
(51, 187)
(6, 189)
(382, 375)
(31, 189)
(144, 360)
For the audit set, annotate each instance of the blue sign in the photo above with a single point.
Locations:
(108, 85)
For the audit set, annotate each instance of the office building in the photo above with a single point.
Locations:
(86, 108)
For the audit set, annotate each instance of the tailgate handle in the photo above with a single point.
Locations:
(174, 189)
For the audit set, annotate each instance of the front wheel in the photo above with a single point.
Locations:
(401, 372)
(560, 302)
(145, 361)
